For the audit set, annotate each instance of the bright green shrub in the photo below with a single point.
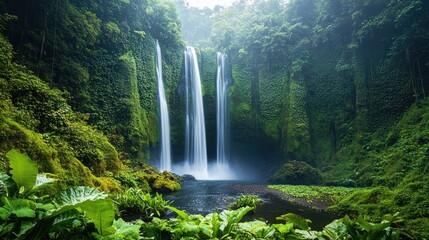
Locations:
(246, 201)
(138, 202)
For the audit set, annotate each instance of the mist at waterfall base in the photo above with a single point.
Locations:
(196, 162)
(191, 155)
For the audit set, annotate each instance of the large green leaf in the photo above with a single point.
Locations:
(215, 223)
(258, 229)
(22, 208)
(23, 169)
(63, 222)
(7, 185)
(181, 214)
(284, 228)
(126, 230)
(4, 214)
(230, 219)
(298, 221)
(43, 179)
(335, 230)
(102, 214)
(67, 220)
(73, 197)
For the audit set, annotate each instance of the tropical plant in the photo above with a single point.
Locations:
(136, 201)
(27, 215)
(222, 225)
(227, 225)
(246, 201)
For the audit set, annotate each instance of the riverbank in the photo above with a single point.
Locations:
(205, 197)
(315, 197)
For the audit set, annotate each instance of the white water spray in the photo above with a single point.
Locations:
(196, 162)
(165, 156)
(195, 135)
(223, 81)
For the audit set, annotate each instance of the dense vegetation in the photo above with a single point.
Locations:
(332, 90)
(31, 209)
(329, 83)
(84, 101)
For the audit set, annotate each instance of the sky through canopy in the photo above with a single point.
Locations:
(209, 3)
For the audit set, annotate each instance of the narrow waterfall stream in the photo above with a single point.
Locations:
(223, 81)
(164, 122)
(195, 135)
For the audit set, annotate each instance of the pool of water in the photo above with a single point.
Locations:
(203, 197)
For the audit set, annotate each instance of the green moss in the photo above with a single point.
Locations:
(30, 142)
(166, 182)
(296, 135)
(137, 137)
(133, 179)
(37, 120)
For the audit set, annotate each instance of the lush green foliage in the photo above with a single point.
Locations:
(27, 213)
(327, 82)
(102, 62)
(227, 225)
(36, 119)
(323, 82)
(297, 172)
(88, 213)
(331, 195)
(137, 202)
(246, 200)
(396, 161)
(148, 178)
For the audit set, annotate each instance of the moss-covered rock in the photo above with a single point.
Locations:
(297, 172)
(166, 182)
(148, 179)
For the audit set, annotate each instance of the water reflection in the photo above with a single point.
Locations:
(203, 197)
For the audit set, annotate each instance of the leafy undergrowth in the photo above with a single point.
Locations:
(327, 194)
(27, 211)
(395, 165)
(142, 204)
(246, 201)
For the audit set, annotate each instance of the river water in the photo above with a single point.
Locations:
(203, 197)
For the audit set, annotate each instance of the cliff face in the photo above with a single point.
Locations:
(101, 56)
(313, 77)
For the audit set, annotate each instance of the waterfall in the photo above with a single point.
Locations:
(223, 81)
(165, 156)
(195, 133)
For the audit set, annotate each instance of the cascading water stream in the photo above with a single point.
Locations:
(223, 81)
(165, 156)
(195, 135)
(196, 162)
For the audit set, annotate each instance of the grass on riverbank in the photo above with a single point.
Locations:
(326, 194)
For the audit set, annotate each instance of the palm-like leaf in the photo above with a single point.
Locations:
(24, 170)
